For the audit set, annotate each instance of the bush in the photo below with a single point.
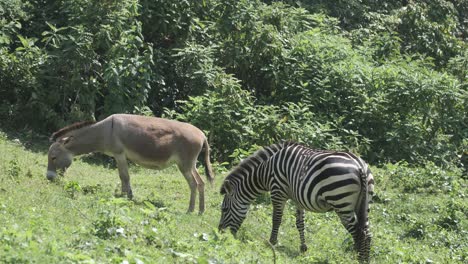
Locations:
(93, 65)
(424, 179)
(391, 87)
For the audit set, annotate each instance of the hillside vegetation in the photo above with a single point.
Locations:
(419, 216)
(386, 79)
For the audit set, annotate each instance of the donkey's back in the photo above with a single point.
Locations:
(155, 142)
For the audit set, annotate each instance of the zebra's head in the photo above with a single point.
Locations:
(233, 211)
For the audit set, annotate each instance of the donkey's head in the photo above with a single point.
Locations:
(60, 158)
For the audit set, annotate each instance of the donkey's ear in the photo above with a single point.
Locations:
(65, 140)
(226, 188)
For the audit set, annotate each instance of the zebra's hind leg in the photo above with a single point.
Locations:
(349, 221)
(361, 235)
(300, 228)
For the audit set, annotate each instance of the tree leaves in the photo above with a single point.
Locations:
(391, 85)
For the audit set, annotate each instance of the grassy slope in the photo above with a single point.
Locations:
(79, 220)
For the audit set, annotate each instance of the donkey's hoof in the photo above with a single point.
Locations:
(303, 248)
(130, 195)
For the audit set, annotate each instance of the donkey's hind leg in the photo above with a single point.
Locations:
(201, 189)
(122, 165)
(187, 172)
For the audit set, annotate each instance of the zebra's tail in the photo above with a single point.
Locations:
(207, 163)
(362, 212)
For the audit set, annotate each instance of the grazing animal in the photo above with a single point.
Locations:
(317, 181)
(149, 141)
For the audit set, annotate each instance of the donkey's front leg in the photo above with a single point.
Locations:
(122, 165)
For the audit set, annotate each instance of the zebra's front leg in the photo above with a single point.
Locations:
(300, 228)
(278, 207)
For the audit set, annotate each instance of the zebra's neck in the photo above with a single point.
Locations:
(251, 176)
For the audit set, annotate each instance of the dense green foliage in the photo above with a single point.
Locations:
(420, 215)
(386, 79)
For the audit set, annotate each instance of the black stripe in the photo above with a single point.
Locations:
(263, 155)
(331, 158)
(246, 186)
(341, 205)
(256, 181)
(282, 181)
(338, 196)
(336, 185)
(336, 171)
(281, 159)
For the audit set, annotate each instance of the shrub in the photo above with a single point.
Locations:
(423, 179)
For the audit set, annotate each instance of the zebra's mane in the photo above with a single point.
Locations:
(259, 157)
(69, 128)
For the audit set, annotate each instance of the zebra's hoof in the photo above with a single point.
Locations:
(303, 248)
(273, 241)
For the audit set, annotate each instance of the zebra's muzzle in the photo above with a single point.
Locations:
(222, 229)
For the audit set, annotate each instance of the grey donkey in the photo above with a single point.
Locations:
(148, 141)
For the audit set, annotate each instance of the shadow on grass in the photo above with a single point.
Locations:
(31, 141)
(39, 143)
(99, 159)
(290, 251)
(294, 253)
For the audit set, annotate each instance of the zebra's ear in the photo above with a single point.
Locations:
(226, 188)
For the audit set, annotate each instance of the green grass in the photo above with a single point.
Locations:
(420, 216)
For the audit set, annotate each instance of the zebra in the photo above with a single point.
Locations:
(316, 180)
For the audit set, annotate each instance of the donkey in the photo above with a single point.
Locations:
(149, 141)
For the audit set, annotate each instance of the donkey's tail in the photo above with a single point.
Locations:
(207, 163)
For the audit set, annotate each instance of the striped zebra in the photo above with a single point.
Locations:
(316, 180)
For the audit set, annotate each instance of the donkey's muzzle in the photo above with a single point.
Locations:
(51, 175)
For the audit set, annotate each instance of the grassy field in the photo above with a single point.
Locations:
(419, 216)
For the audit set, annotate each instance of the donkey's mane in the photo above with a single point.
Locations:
(69, 128)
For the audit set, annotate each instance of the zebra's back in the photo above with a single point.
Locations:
(321, 181)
